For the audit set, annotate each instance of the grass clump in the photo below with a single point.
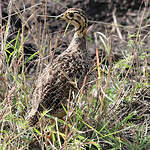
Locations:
(111, 113)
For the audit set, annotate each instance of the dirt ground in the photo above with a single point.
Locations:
(102, 16)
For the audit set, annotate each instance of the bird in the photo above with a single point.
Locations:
(54, 84)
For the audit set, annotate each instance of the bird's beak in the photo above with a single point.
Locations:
(61, 17)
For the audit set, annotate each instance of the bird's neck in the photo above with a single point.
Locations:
(78, 42)
(80, 31)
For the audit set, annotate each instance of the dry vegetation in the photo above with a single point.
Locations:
(112, 112)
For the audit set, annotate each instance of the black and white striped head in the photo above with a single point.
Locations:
(77, 18)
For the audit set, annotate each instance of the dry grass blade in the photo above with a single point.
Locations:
(116, 116)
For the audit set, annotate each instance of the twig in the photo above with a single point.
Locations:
(116, 25)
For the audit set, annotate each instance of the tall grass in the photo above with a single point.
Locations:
(116, 117)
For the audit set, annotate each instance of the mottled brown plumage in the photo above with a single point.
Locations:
(56, 81)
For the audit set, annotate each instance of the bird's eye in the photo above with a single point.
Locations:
(71, 15)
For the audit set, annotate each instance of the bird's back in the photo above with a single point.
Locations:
(56, 82)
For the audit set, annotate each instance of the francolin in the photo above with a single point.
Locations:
(55, 83)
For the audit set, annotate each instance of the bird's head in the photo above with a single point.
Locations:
(77, 18)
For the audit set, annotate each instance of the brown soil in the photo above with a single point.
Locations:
(128, 13)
